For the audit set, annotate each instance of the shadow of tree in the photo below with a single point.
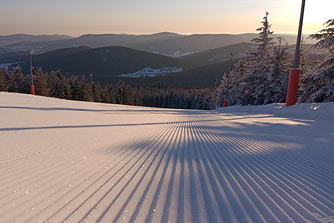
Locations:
(134, 110)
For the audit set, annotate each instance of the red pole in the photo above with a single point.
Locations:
(294, 73)
(225, 103)
(32, 77)
(32, 89)
(293, 87)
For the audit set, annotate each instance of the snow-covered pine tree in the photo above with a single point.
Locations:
(222, 91)
(278, 74)
(258, 67)
(318, 85)
(234, 95)
(259, 77)
(230, 87)
(326, 37)
(264, 40)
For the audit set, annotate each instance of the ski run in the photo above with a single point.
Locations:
(68, 161)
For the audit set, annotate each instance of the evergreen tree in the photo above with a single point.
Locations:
(138, 101)
(3, 84)
(41, 83)
(80, 89)
(318, 85)
(262, 72)
(59, 86)
(259, 60)
(236, 84)
(96, 92)
(260, 63)
(278, 75)
(120, 92)
(326, 37)
(222, 90)
(16, 82)
(108, 95)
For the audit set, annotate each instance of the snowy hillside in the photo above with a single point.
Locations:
(67, 161)
(151, 72)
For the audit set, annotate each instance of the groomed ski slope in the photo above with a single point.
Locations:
(67, 161)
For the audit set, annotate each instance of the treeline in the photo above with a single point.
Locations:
(261, 75)
(54, 84)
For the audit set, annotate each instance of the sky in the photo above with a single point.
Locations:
(77, 17)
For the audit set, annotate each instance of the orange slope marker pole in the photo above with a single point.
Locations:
(294, 73)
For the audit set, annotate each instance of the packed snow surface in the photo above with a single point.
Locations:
(67, 161)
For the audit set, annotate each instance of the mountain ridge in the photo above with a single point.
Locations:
(104, 61)
(165, 43)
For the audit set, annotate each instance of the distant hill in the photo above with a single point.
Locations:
(194, 43)
(104, 62)
(216, 55)
(90, 40)
(170, 44)
(57, 55)
(108, 62)
(308, 48)
(10, 57)
(222, 54)
(3, 50)
(4, 40)
(19, 57)
(189, 44)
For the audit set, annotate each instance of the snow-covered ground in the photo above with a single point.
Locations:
(66, 161)
(179, 53)
(151, 72)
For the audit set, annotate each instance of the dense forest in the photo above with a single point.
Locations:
(54, 84)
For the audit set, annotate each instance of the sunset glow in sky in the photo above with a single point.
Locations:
(77, 17)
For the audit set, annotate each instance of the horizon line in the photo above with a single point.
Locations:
(153, 33)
